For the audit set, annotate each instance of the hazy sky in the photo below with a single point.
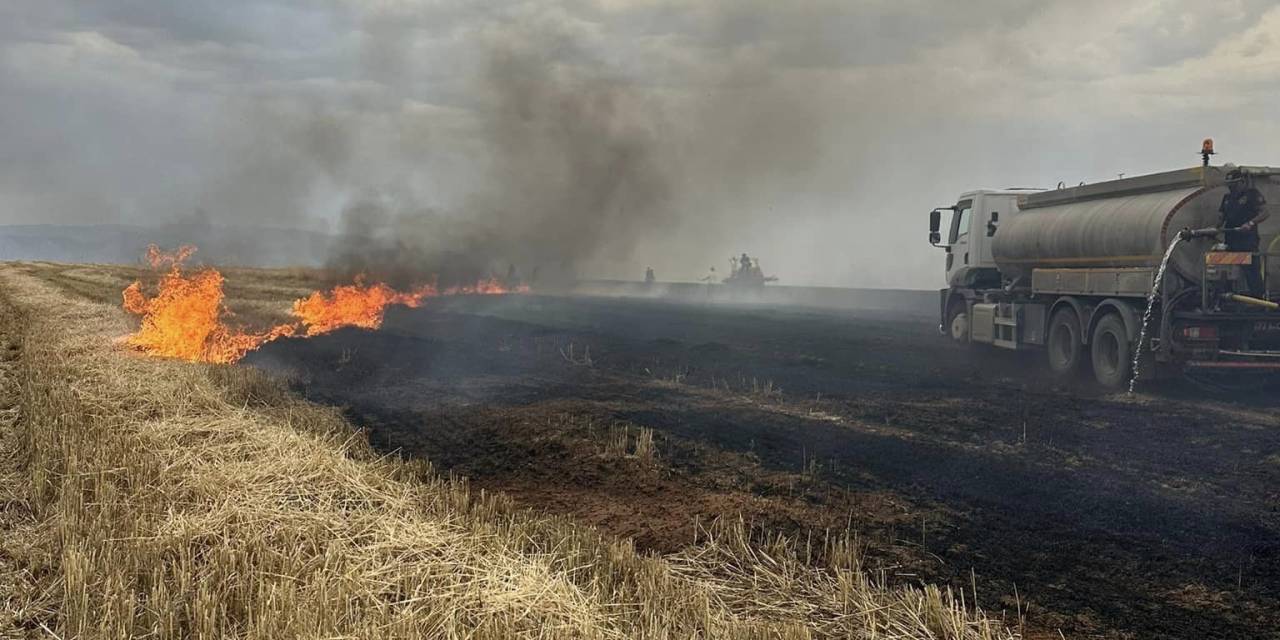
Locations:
(816, 135)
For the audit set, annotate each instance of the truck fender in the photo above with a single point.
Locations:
(1132, 321)
(1077, 305)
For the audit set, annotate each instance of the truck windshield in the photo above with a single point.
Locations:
(960, 222)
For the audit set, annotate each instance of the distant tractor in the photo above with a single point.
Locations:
(745, 272)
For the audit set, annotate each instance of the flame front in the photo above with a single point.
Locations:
(491, 286)
(186, 319)
(353, 305)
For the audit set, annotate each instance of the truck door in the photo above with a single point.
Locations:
(989, 211)
(958, 258)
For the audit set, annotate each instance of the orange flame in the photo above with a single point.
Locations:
(492, 286)
(353, 305)
(187, 320)
(159, 259)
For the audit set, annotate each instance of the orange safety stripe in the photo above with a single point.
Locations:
(1228, 257)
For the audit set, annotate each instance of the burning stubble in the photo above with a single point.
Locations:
(185, 318)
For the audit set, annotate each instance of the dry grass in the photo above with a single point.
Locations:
(18, 599)
(620, 442)
(178, 500)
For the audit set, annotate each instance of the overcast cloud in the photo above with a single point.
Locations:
(616, 133)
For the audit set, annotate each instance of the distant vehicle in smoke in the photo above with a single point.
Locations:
(746, 272)
(1110, 276)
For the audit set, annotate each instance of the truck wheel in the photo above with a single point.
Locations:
(958, 321)
(1112, 352)
(1065, 344)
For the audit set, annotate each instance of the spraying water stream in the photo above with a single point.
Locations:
(1157, 287)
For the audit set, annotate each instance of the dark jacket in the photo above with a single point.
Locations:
(1238, 208)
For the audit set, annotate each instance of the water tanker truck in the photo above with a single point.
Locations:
(1070, 271)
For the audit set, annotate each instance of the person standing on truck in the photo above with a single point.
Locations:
(1243, 209)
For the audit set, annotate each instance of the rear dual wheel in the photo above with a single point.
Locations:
(1111, 352)
(1065, 344)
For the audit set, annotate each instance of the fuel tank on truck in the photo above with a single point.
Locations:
(1124, 223)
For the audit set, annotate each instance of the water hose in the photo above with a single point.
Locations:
(1256, 302)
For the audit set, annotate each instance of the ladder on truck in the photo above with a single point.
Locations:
(1003, 324)
(1006, 325)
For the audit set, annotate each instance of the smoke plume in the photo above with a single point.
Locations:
(568, 170)
(580, 166)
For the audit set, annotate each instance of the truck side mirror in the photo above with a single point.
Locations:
(935, 223)
(993, 223)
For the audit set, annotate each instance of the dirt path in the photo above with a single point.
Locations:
(1102, 516)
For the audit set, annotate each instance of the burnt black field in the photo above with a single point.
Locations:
(1103, 515)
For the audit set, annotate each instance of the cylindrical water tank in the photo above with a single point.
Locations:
(1121, 231)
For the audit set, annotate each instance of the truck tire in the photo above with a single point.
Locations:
(1111, 352)
(1065, 344)
(958, 321)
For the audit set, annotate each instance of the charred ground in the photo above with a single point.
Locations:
(1100, 515)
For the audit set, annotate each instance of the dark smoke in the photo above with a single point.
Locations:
(593, 166)
(569, 171)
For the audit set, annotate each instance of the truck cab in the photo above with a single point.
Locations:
(966, 236)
